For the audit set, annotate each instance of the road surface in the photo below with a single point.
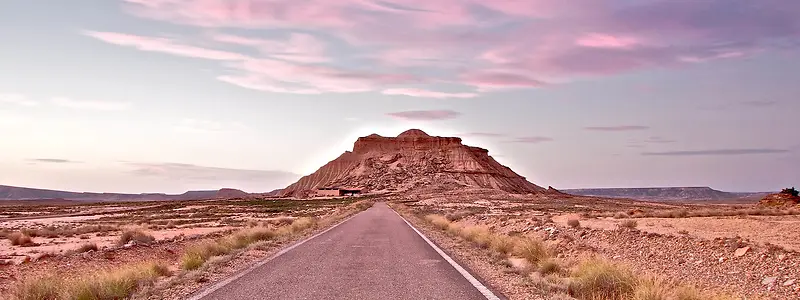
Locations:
(374, 255)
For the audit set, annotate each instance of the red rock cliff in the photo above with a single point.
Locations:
(410, 160)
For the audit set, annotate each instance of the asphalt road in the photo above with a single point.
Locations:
(374, 255)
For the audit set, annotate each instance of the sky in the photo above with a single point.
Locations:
(174, 95)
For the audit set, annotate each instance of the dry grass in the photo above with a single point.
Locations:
(135, 236)
(688, 293)
(502, 244)
(196, 255)
(532, 250)
(651, 289)
(438, 221)
(550, 266)
(596, 279)
(87, 247)
(630, 224)
(574, 223)
(20, 239)
(480, 235)
(115, 284)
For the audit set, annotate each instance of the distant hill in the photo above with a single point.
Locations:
(22, 193)
(664, 193)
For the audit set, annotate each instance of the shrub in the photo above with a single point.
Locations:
(20, 239)
(105, 285)
(791, 191)
(549, 266)
(479, 235)
(438, 221)
(502, 244)
(280, 221)
(38, 289)
(651, 289)
(532, 250)
(302, 224)
(574, 223)
(87, 247)
(688, 293)
(196, 255)
(455, 216)
(135, 235)
(631, 224)
(601, 279)
(684, 231)
(620, 215)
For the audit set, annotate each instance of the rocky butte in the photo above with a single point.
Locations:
(410, 161)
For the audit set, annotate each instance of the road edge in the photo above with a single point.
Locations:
(197, 295)
(477, 284)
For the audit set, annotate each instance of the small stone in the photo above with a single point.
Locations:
(741, 251)
(769, 280)
(721, 259)
(781, 256)
(788, 282)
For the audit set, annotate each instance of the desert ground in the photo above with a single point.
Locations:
(672, 250)
(736, 251)
(44, 240)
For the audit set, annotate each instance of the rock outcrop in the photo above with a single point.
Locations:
(412, 160)
(779, 199)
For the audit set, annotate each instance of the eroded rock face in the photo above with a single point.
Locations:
(779, 199)
(412, 160)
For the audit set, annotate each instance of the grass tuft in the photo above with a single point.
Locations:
(574, 223)
(20, 239)
(651, 289)
(630, 224)
(135, 236)
(438, 221)
(104, 285)
(502, 244)
(532, 250)
(601, 279)
(87, 247)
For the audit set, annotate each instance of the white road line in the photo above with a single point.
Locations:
(228, 280)
(474, 281)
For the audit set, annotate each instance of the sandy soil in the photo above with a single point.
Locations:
(668, 247)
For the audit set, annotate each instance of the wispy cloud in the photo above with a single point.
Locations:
(424, 115)
(17, 99)
(658, 140)
(459, 42)
(411, 92)
(718, 152)
(164, 45)
(191, 172)
(617, 128)
(532, 139)
(90, 105)
(53, 160)
(759, 103)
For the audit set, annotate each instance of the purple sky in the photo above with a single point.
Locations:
(170, 95)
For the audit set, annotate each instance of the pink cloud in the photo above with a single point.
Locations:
(424, 115)
(500, 79)
(485, 44)
(154, 44)
(599, 40)
(421, 93)
(299, 47)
